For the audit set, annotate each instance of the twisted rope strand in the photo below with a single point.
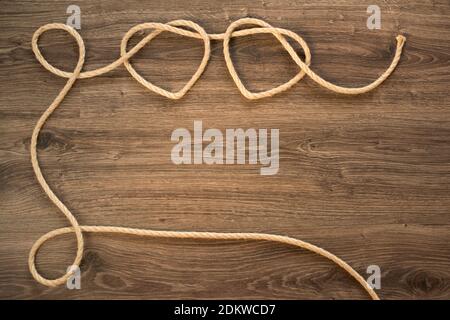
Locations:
(178, 27)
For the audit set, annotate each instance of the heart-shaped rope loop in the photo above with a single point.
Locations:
(279, 34)
(159, 27)
(179, 27)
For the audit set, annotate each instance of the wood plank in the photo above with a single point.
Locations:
(366, 177)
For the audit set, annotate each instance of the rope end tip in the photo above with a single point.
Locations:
(401, 39)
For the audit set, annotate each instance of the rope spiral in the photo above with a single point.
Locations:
(193, 30)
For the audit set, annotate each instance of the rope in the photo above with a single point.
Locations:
(179, 27)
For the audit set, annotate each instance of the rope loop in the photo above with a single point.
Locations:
(279, 34)
(188, 29)
(159, 27)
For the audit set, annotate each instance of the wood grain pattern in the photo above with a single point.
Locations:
(366, 177)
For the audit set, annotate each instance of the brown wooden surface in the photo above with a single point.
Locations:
(366, 177)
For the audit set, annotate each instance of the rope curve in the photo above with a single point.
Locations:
(197, 32)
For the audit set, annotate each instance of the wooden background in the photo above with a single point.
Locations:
(366, 177)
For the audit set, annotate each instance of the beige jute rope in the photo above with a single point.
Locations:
(180, 27)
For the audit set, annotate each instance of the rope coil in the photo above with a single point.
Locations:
(178, 27)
